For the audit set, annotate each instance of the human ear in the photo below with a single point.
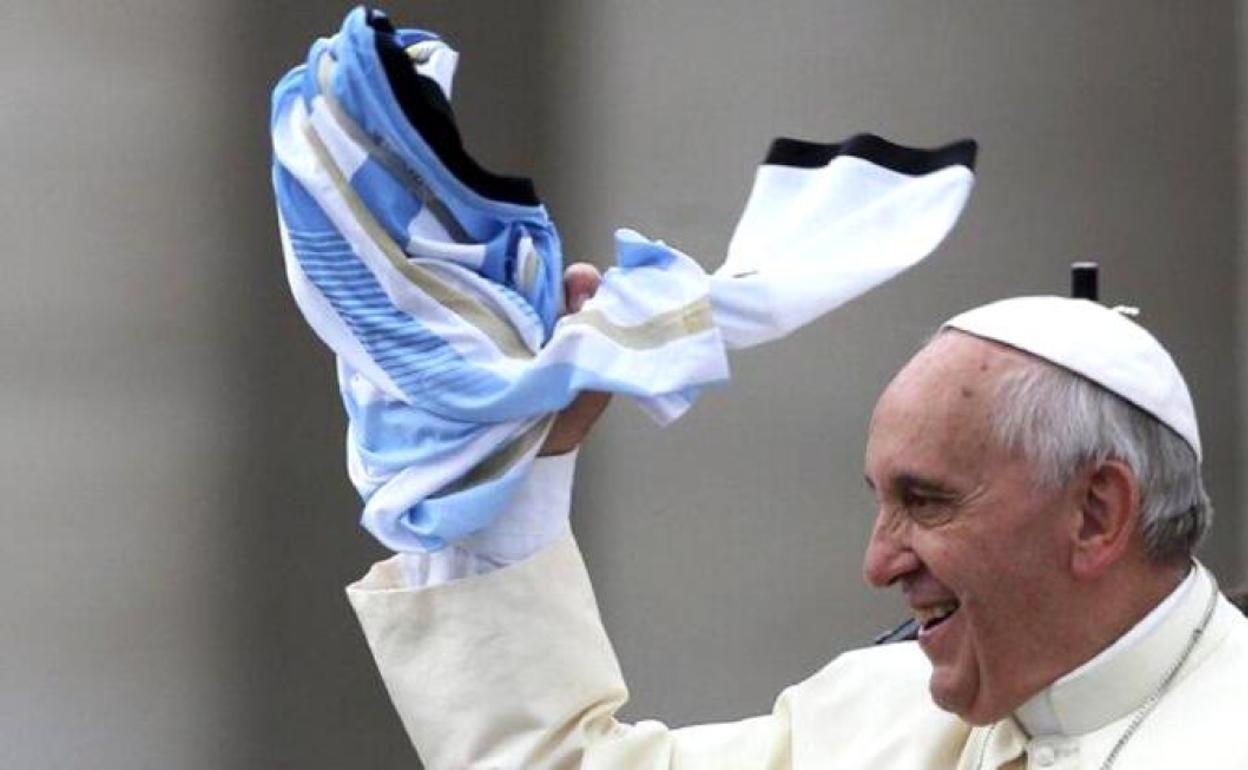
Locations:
(1108, 517)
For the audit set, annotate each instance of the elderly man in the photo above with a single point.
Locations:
(1037, 473)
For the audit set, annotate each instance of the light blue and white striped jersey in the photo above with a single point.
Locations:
(438, 283)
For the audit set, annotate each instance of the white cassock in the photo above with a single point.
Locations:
(512, 670)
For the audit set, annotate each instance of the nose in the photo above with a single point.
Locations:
(888, 556)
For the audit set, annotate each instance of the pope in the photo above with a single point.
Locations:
(1036, 469)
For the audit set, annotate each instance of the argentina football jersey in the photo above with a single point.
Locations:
(438, 284)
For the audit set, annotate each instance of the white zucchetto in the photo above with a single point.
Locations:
(1096, 342)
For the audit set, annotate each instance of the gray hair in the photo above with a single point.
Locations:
(1061, 422)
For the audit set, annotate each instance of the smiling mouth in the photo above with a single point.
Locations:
(930, 617)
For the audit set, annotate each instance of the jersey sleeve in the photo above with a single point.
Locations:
(512, 670)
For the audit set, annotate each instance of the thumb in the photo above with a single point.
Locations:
(580, 282)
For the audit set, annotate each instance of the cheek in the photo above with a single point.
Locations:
(1006, 591)
(1039, 546)
(985, 575)
(955, 558)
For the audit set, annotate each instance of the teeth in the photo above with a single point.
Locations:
(929, 615)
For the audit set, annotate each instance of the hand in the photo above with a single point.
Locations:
(580, 282)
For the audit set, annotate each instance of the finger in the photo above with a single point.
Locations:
(580, 282)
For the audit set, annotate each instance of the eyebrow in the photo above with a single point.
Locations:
(917, 482)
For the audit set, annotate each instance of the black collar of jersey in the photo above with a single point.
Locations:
(429, 112)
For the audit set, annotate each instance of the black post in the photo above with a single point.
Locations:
(1083, 281)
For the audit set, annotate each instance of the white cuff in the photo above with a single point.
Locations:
(537, 517)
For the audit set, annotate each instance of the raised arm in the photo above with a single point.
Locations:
(493, 651)
(512, 670)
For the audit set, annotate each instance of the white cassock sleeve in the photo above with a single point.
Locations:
(509, 668)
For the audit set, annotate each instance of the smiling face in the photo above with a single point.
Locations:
(980, 552)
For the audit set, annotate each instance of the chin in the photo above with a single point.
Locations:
(963, 704)
(979, 719)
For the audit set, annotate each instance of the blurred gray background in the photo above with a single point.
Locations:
(178, 525)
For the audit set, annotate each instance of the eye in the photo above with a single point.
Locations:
(925, 508)
(914, 499)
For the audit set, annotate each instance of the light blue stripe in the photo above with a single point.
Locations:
(313, 257)
(362, 293)
(331, 238)
(357, 286)
(390, 202)
(317, 254)
(338, 271)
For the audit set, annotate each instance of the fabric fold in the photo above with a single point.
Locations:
(438, 283)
